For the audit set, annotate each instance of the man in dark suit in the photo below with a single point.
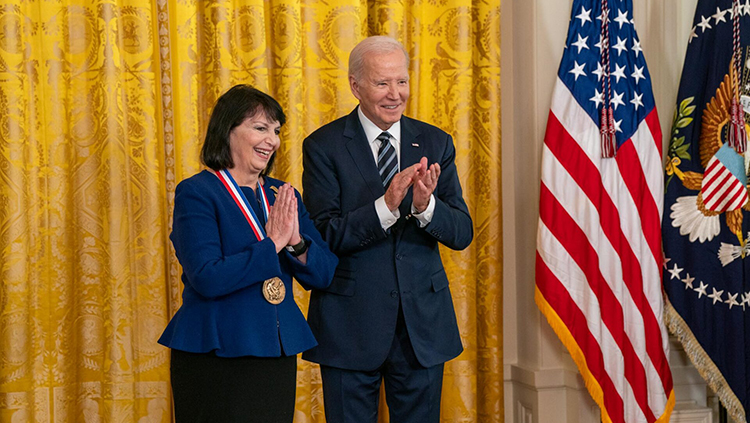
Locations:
(388, 314)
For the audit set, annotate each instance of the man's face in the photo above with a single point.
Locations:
(383, 88)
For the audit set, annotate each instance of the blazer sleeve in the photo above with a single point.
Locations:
(345, 232)
(197, 242)
(451, 223)
(321, 262)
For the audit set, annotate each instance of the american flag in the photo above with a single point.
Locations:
(599, 255)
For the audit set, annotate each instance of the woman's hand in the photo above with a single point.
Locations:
(295, 238)
(282, 222)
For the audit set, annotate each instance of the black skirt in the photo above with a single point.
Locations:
(207, 388)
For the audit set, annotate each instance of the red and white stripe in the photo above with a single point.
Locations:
(237, 197)
(599, 260)
(721, 190)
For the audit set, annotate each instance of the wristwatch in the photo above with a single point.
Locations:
(297, 249)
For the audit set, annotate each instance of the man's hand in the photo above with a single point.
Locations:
(400, 185)
(425, 182)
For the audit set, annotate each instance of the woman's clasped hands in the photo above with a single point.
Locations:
(283, 224)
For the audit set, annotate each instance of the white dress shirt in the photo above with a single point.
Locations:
(387, 217)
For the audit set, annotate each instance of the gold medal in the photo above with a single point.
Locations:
(274, 290)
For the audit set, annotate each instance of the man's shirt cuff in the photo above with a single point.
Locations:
(387, 217)
(425, 217)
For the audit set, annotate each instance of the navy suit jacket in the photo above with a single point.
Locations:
(354, 319)
(224, 266)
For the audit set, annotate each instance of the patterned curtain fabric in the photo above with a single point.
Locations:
(103, 108)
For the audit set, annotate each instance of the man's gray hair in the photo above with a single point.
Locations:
(378, 44)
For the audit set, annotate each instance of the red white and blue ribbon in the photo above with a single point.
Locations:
(239, 198)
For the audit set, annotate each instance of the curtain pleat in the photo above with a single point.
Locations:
(103, 109)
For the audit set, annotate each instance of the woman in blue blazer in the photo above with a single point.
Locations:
(240, 237)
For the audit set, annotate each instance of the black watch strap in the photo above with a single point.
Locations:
(297, 249)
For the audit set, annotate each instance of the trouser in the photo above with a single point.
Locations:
(412, 391)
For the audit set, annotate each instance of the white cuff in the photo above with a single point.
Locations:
(425, 217)
(387, 218)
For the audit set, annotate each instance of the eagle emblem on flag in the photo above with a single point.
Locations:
(722, 188)
(705, 226)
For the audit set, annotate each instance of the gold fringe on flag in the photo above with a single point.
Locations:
(592, 385)
(703, 363)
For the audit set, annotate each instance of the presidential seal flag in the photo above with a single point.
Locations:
(599, 254)
(705, 223)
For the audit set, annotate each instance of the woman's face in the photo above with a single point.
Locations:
(253, 142)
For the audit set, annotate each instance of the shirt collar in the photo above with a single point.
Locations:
(372, 131)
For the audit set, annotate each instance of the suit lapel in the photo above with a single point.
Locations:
(411, 148)
(411, 152)
(359, 149)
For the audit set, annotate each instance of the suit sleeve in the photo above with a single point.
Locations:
(321, 262)
(197, 243)
(345, 232)
(451, 223)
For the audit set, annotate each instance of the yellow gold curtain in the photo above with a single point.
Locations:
(103, 107)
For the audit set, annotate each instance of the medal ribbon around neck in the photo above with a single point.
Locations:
(239, 198)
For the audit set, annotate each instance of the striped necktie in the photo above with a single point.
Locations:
(387, 162)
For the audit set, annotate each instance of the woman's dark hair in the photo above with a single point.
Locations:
(231, 109)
